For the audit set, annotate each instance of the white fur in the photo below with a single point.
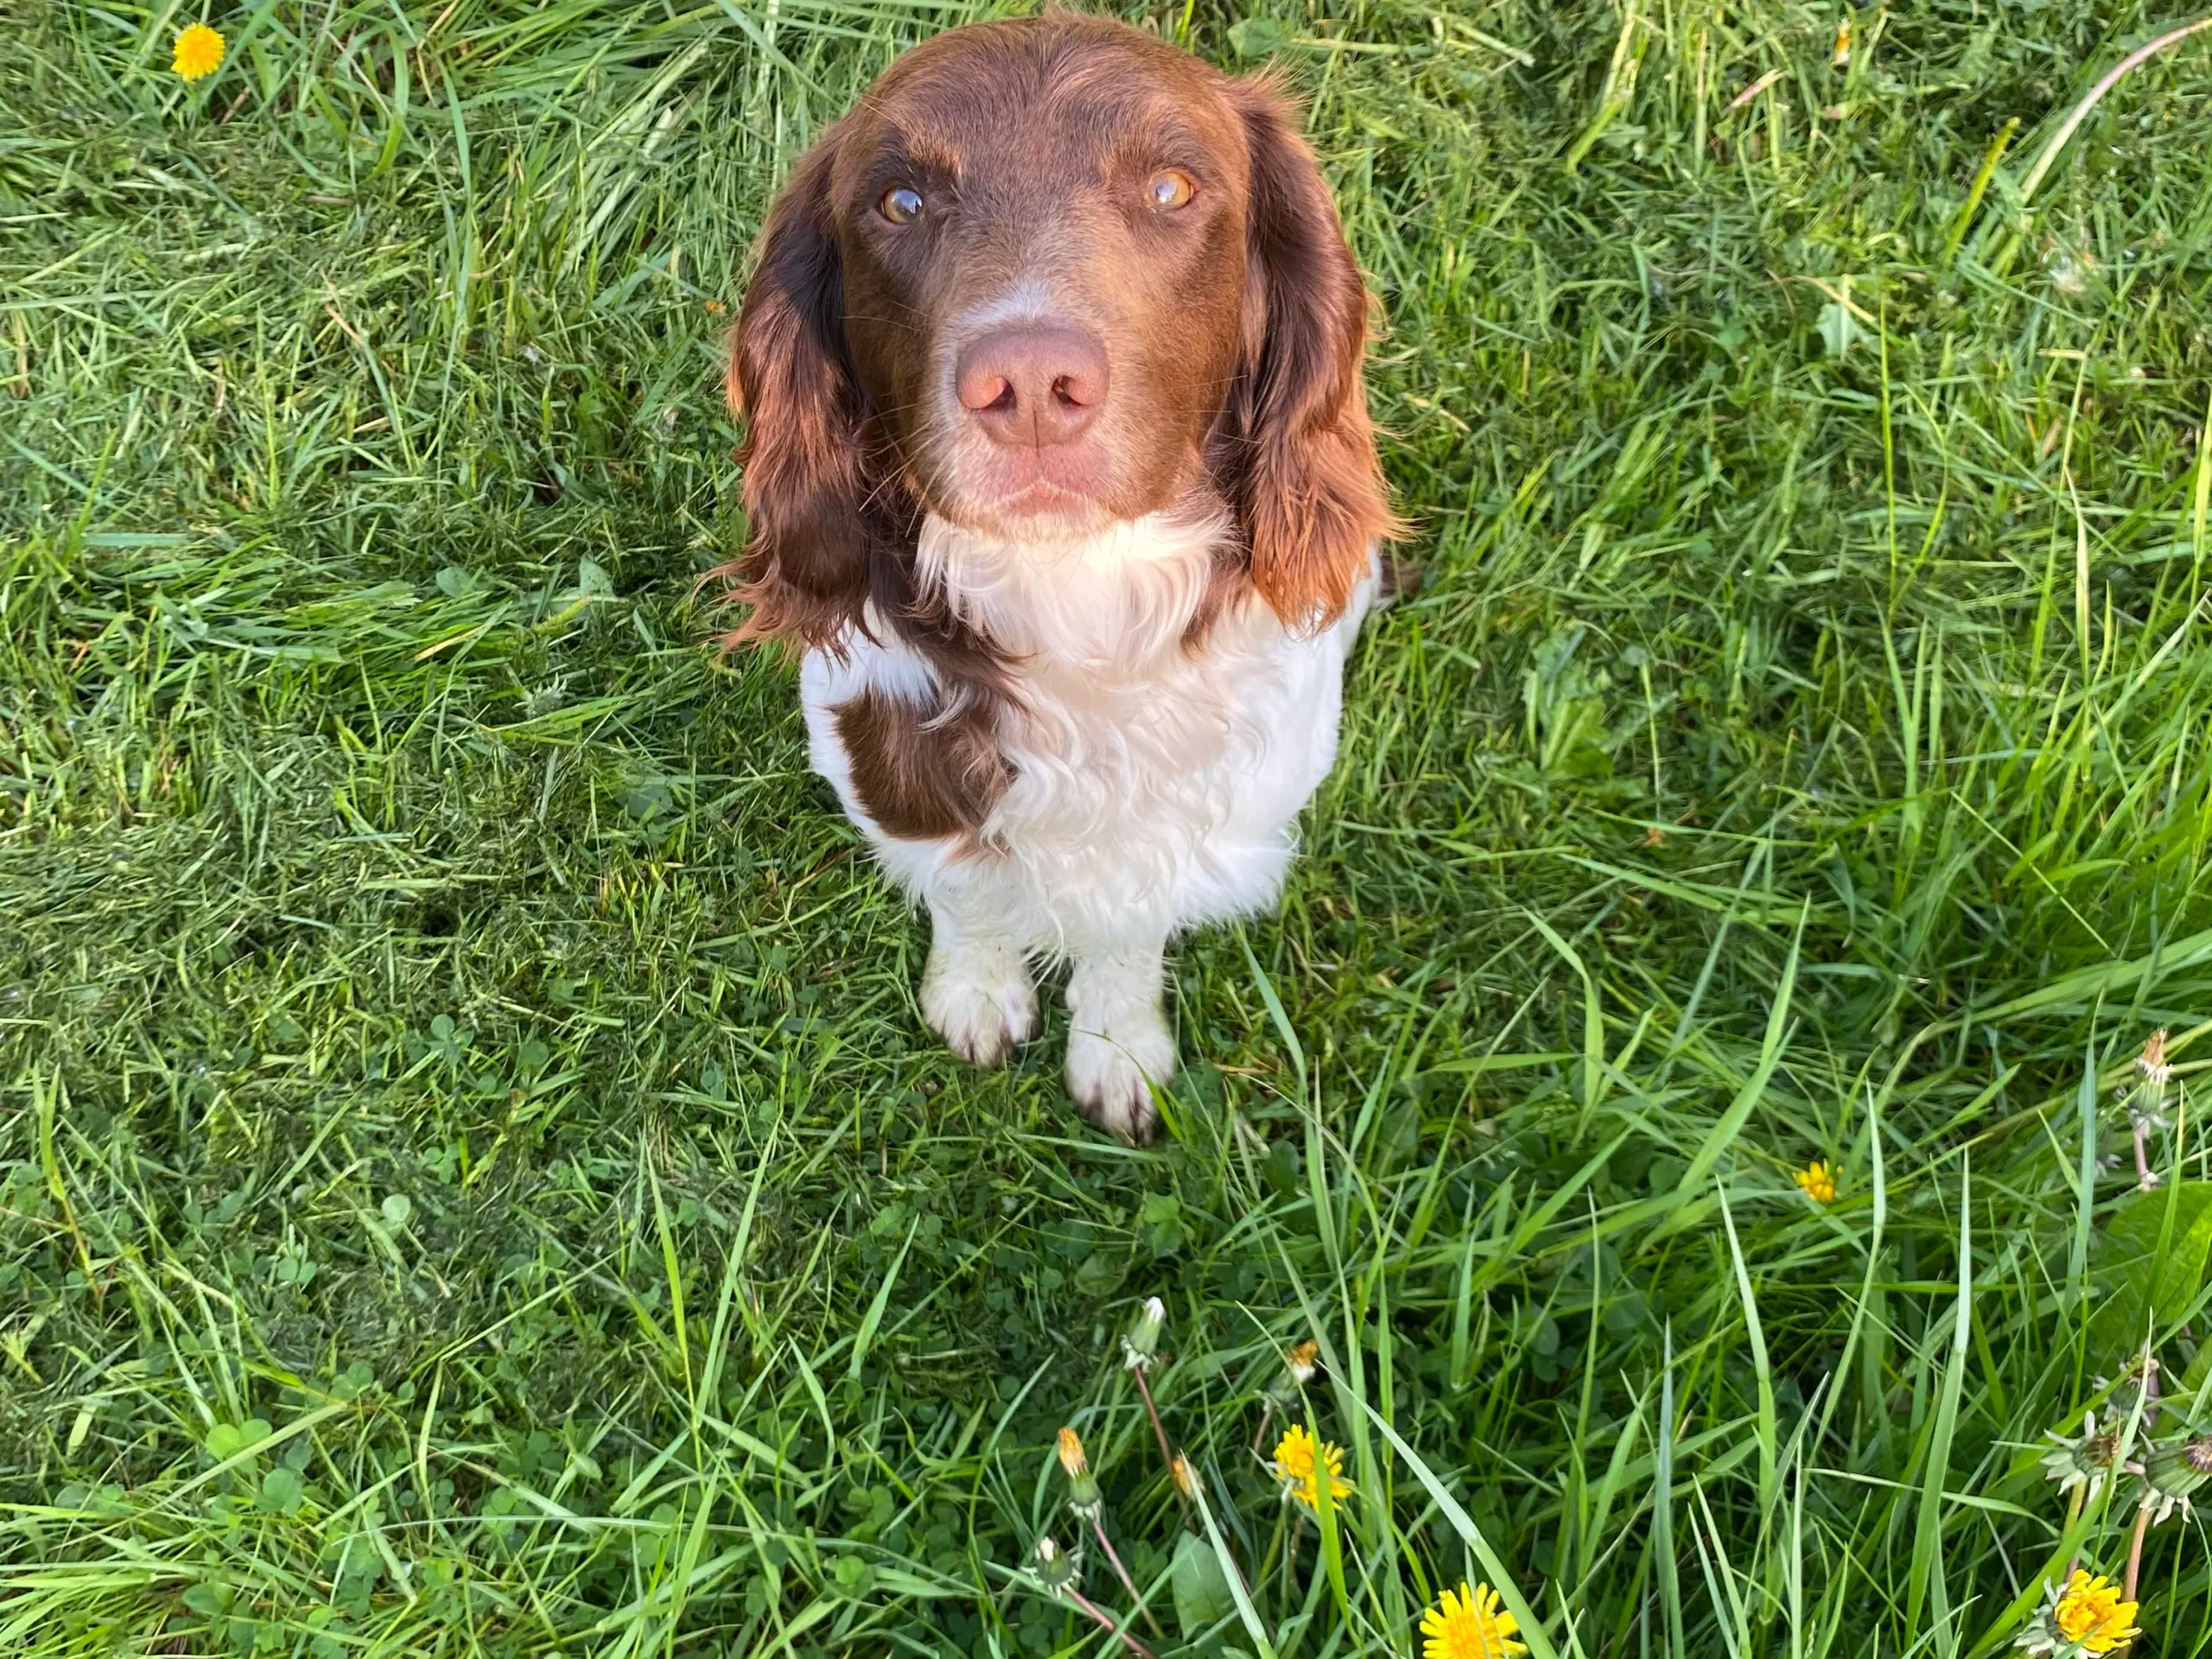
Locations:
(1154, 788)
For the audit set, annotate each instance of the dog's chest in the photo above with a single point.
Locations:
(1136, 805)
(1143, 780)
(1107, 765)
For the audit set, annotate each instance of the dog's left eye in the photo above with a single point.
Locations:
(1170, 188)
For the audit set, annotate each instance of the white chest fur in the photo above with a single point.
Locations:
(1153, 786)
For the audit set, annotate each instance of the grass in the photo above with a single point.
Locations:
(472, 1176)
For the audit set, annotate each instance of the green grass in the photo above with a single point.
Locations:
(443, 1028)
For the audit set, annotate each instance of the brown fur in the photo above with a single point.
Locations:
(920, 779)
(831, 523)
(808, 486)
(1304, 478)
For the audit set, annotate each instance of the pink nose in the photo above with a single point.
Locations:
(1032, 385)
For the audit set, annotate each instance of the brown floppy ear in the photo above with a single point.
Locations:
(1303, 475)
(804, 570)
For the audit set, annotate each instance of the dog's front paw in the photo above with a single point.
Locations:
(1112, 1076)
(980, 1000)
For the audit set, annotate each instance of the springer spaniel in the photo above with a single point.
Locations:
(1057, 472)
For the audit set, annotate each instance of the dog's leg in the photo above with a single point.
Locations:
(976, 991)
(1119, 1046)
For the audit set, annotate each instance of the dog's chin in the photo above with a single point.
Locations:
(1058, 495)
(1040, 511)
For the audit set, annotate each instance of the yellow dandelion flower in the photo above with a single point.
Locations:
(199, 53)
(1297, 1458)
(2090, 1612)
(1185, 1483)
(1817, 1182)
(1082, 1485)
(1467, 1623)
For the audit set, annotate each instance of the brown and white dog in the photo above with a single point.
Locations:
(1058, 473)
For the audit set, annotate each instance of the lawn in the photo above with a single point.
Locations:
(473, 1177)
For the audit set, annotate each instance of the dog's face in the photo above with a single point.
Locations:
(1048, 275)
(1045, 268)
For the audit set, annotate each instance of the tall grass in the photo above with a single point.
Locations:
(472, 1178)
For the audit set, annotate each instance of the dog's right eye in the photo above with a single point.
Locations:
(899, 204)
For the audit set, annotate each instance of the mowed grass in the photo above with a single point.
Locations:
(472, 1179)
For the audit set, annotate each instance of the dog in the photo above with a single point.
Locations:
(1059, 478)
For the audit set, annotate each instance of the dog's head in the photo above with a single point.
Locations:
(1050, 275)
